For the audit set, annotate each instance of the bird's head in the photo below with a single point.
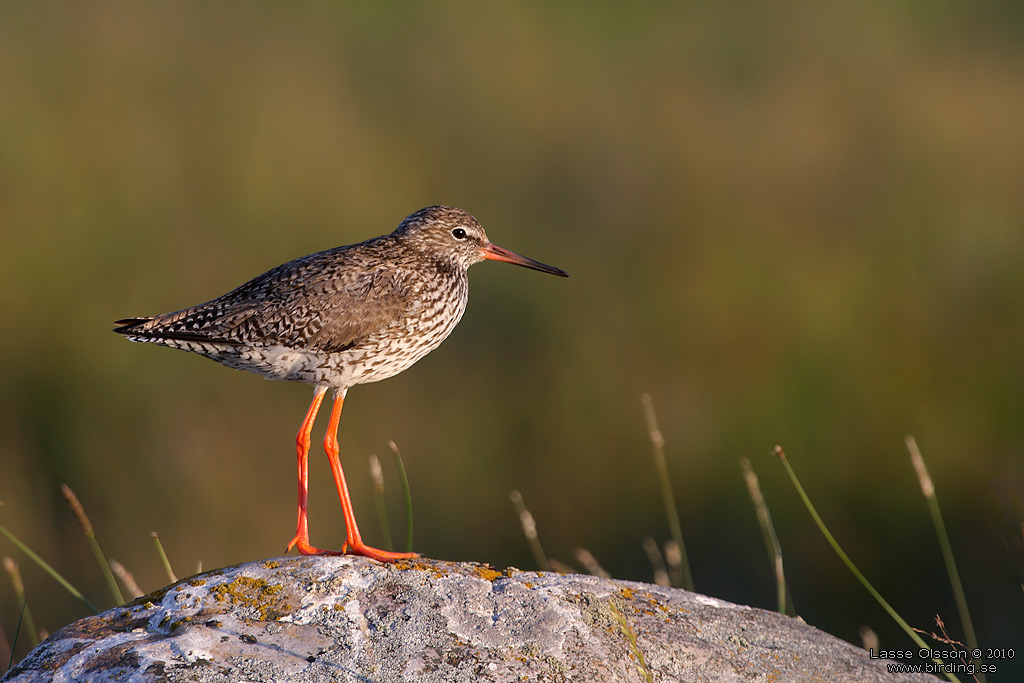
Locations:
(453, 235)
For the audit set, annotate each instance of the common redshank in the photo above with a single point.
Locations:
(341, 317)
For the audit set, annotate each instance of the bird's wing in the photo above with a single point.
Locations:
(344, 309)
(320, 302)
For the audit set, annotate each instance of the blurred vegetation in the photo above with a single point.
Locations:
(797, 223)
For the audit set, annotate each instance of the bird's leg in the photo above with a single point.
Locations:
(355, 541)
(302, 442)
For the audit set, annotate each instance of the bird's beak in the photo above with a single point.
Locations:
(496, 253)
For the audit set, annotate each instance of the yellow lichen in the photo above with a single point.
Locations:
(258, 594)
(438, 572)
(179, 622)
(487, 573)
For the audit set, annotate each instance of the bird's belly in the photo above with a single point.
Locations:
(280, 363)
(379, 356)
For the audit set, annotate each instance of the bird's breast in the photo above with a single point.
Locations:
(427, 321)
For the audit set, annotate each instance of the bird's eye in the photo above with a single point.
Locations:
(459, 234)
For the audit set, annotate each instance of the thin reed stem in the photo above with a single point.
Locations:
(771, 539)
(529, 530)
(634, 646)
(49, 570)
(406, 495)
(590, 563)
(126, 578)
(163, 557)
(90, 536)
(657, 562)
(26, 614)
(658, 444)
(674, 561)
(377, 475)
(849, 563)
(928, 489)
(17, 630)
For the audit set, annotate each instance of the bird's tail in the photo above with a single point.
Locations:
(129, 325)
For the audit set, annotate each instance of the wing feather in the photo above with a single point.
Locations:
(327, 301)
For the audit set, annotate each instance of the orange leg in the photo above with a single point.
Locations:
(354, 543)
(302, 442)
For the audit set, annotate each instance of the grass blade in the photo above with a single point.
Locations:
(590, 563)
(17, 630)
(90, 536)
(868, 638)
(529, 530)
(127, 579)
(634, 646)
(674, 560)
(49, 570)
(849, 563)
(771, 539)
(658, 443)
(560, 567)
(928, 489)
(26, 614)
(406, 494)
(657, 562)
(377, 475)
(163, 558)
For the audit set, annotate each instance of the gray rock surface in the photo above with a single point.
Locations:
(351, 619)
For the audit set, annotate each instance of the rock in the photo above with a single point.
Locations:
(351, 619)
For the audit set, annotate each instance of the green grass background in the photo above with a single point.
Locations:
(797, 223)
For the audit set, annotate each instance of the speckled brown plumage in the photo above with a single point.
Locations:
(350, 315)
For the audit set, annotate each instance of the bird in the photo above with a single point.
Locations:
(345, 316)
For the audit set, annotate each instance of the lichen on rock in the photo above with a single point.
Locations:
(319, 619)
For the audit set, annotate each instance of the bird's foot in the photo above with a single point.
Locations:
(304, 547)
(349, 548)
(360, 548)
